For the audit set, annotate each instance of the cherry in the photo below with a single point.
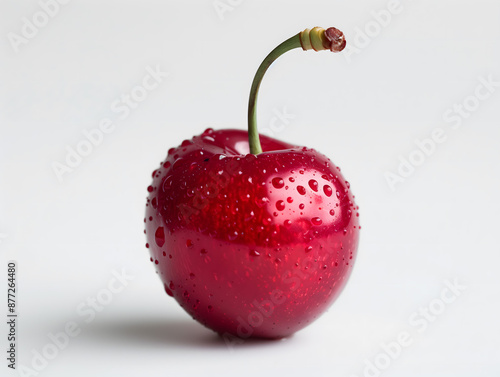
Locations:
(252, 236)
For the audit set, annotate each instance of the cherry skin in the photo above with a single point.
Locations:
(251, 245)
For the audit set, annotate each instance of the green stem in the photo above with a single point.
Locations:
(317, 39)
(253, 133)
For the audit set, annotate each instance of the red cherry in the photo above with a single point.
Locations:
(245, 231)
(251, 272)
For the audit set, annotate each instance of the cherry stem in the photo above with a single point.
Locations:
(310, 39)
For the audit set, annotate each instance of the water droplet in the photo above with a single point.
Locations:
(278, 182)
(154, 203)
(280, 205)
(167, 183)
(277, 260)
(249, 216)
(287, 222)
(147, 246)
(261, 201)
(291, 179)
(301, 205)
(309, 249)
(313, 185)
(316, 221)
(332, 212)
(156, 261)
(338, 194)
(178, 163)
(208, 138)
(160, 236)
(150, 188)
(327, 190)
(347, 184)
(289, 199)
(166, 164)
(301, 190)
(169, 292)
(254, 253)
(189, 243)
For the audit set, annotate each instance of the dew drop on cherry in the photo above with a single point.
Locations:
(169, 292)
(316, 221)
(313, 184)
(301, 190)
(254, 253)
(160, 236)
(280, 205)
(278, 182)
(327, 190)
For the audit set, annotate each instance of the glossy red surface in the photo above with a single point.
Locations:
(252, 246)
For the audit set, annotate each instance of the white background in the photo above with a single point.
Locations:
(364, 109)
